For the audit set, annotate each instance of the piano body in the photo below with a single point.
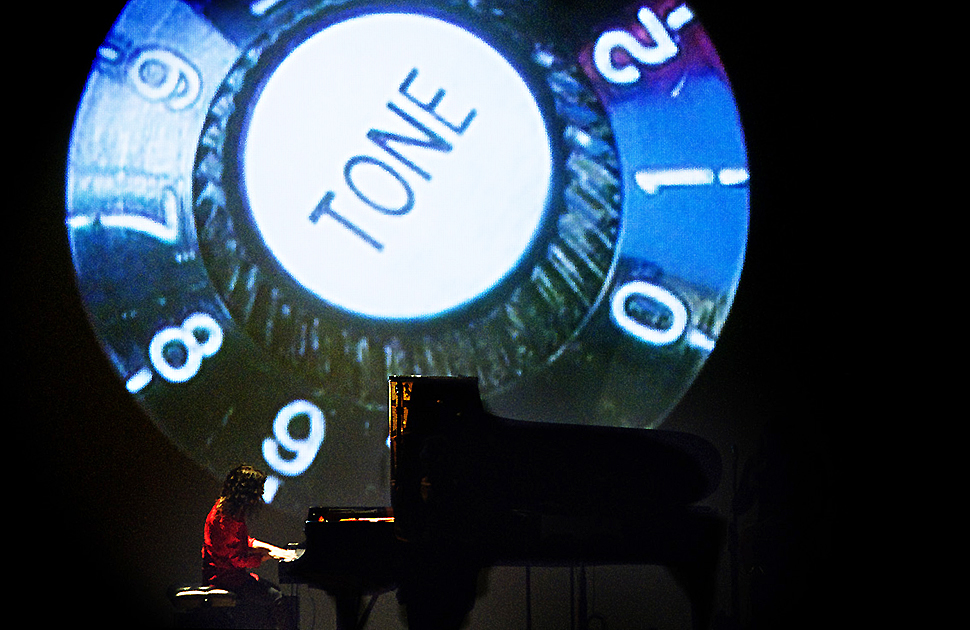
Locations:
(470, 489)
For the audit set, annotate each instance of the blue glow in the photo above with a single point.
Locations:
(695, 232)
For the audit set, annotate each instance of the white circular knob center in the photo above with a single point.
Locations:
(396, 165)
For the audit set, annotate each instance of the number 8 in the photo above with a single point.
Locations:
(194, 351)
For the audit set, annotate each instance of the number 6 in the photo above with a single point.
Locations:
(161, 75)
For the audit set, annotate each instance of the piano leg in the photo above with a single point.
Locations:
(347, 604)
(348, 608)
(438, 587)
(349, 614)
(698, 582)
(696, 570)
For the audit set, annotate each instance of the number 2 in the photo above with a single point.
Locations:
(663, 49)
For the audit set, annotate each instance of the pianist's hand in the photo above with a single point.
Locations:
(283, 555)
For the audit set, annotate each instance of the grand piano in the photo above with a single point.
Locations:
(470, 489)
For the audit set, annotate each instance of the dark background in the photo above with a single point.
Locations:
(107, 513)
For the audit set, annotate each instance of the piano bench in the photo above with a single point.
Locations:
(192, 597)
(202, 606)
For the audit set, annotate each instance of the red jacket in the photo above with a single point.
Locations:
(227, 549)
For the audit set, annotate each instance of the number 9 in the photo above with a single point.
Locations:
(305, 449)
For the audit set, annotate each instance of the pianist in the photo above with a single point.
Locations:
(229, 552)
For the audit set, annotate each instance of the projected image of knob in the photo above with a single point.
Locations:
(273, 206)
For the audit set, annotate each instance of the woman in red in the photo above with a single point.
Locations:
(228, 551)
